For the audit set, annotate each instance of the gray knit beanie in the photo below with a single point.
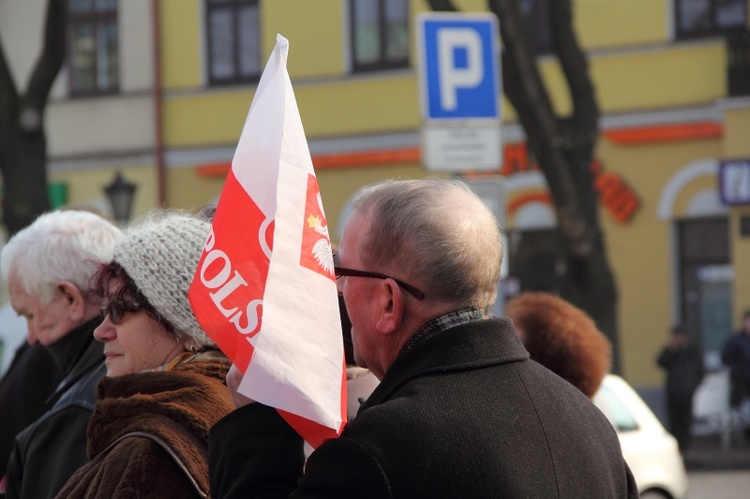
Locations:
(160, 253)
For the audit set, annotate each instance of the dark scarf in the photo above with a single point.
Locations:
(70, 348)
(443, 323)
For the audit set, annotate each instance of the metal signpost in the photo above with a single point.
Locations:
(492, 192)
(459, 61)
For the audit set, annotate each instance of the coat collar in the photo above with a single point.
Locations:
(77, 354)
(68, 350)
(469, 346)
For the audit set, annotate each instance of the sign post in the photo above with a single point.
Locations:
(460, 91)
(492, 192)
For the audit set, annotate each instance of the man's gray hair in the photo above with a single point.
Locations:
(65, 245)
(435, 234)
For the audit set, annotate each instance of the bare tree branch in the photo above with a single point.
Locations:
(525, 89)
(50, 60)
(8, 91)
(23, 144)
(575, 67)
(8, 111)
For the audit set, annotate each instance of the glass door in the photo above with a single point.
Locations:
(706, 284)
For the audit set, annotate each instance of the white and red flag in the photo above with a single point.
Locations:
(264, 289)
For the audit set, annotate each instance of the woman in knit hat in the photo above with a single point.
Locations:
(165, 378)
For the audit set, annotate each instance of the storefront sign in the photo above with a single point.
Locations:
(616, 195)
(734, 181)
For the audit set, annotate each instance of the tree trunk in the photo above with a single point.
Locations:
(564, 149)
(23, 145)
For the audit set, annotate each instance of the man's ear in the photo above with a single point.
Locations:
(391, 308)
(75, 302)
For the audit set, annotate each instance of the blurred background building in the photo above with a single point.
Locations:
(158, 91)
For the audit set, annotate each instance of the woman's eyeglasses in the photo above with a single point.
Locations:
(116, 310)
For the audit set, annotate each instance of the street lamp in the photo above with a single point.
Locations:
(120, 194)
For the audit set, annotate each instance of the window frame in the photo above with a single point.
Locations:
(96, 19)
(234, 6)
(715, 29)
(382, 64)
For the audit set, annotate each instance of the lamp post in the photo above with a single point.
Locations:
(120, 194)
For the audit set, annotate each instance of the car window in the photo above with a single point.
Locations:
(615, 410)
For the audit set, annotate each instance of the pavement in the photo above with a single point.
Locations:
(708, 452)
(718, 484)
(719, 441)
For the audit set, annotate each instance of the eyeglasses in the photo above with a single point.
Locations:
(116, 310)
(343, 271)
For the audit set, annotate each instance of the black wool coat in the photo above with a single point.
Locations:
(51, 449)
(24, 392)
(464, 413)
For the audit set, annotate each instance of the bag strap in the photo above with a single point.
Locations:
(202, 448)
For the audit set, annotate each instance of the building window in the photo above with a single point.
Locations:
(92, 47)
(379, 34)
(536, 23)
(698, 18)
(233, 28)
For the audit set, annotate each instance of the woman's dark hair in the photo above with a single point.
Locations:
(112, 272)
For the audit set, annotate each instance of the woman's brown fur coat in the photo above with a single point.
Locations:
(171, 413)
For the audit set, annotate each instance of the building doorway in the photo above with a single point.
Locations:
(706, 276)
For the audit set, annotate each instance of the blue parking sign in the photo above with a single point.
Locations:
(459, 66)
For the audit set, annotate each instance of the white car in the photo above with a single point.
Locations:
(650, 450)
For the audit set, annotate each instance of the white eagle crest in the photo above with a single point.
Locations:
(322, 248)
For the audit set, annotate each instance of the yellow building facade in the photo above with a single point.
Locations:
(668, 122)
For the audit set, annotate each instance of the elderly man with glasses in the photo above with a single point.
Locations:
(48, 266)
(460, 411)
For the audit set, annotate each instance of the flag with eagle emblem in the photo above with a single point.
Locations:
(264, 289)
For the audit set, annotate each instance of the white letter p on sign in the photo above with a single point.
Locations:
(452, 77)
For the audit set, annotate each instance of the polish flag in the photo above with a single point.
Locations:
(264, 289)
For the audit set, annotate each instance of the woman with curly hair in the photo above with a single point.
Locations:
(562, 338)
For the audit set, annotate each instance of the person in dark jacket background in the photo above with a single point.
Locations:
(25, 391)
(736, 356)
(684, 365)
(48, 266)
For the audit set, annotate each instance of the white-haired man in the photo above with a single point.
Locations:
(48, 266)
(460, 411)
